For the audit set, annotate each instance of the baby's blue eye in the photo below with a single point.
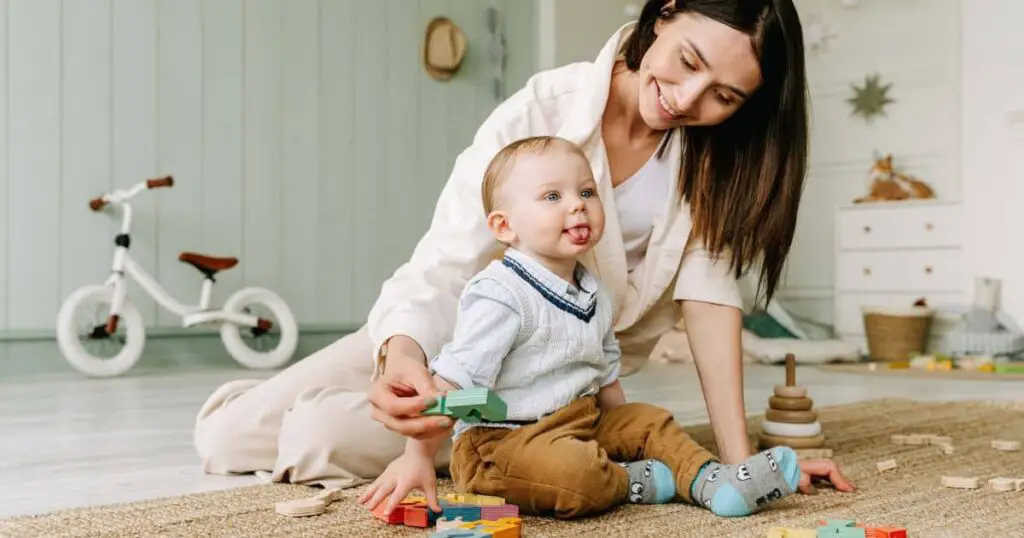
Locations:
(587, 193)
(552, 197)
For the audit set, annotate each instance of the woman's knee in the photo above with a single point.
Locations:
(329, 432)
(227, 443)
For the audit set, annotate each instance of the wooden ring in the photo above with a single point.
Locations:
(785, 429)
(790, 404)
(790, 417)
(783, 391)
(768, 441)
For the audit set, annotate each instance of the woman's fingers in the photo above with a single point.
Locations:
(383, 397)
(416, 427)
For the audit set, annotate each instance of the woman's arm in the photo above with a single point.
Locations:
(714, 334)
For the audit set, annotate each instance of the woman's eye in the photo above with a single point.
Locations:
(724, 99)
(690, 66)
(551, 197)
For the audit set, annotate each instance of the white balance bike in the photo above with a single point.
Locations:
(111, 341)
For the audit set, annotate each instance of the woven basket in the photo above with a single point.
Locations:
(897, 334)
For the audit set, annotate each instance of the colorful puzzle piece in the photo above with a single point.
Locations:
(476, 513)
(843, 528)
(459, 533)
(471, 405)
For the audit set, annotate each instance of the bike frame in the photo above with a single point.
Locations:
(125, 267)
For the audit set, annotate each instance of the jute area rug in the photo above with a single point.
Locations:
(910, 496)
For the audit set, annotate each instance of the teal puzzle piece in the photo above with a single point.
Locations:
(470, 405)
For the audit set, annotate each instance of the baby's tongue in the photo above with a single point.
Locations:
(580, 234)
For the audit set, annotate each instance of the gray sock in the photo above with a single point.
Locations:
(650, 482)
(744, 488)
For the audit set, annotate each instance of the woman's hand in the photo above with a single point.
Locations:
(404, 390)
(822, 469)
(412, 470)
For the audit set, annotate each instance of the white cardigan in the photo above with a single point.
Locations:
(420, 299)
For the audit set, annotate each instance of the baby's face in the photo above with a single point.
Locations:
(551, 205)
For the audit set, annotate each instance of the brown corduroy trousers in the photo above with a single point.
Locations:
(565, 464)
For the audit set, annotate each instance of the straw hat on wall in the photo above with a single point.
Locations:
(444, 49)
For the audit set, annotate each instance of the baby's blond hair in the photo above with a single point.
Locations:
(501, 165)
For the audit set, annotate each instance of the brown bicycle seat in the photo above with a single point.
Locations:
(208, 265)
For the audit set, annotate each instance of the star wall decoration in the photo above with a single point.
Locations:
(817, 33)
(870, 100)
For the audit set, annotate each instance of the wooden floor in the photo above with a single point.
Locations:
(69, 441)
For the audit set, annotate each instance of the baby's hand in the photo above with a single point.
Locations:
(410, 471)
(825, 470)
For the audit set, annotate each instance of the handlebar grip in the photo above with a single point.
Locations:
(97, 204)
(155, 183)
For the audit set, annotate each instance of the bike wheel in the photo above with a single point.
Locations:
(83, 339)
(257, 348)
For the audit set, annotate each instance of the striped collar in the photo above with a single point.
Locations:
(579, 301)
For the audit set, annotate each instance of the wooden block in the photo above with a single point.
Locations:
(394, 517)
(1004, 445)
(960, 482)
(917, 439)
(419, 516)
(1019, 484)
(768, 441)
(784, 391)
(301, 507)
(445, 523)
(898, 438)
(474, 499)
(813, 453)
(886, 465)
(947, 448)
(887, 531)
(790, 404)
(791, 417)
(940, 440)
(1003, 484)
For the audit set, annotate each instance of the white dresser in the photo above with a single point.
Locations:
(891, 254)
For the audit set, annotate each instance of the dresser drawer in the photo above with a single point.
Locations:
(915, 270)
(899, 226)
(849, 318)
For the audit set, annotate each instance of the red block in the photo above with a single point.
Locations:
(394, 517)
(885, 532)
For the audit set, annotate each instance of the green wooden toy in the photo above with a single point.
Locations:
(470, 405)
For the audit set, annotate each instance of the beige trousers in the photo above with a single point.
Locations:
(309, 424)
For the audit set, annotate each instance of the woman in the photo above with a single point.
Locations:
(723, 79)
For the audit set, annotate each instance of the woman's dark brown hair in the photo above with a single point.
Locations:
(743, 178)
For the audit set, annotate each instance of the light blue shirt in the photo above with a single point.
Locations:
(538, 341)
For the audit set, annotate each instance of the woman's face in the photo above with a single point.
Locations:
(697, 72)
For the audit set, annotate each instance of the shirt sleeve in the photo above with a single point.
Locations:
(486, 328)
(421, 298)
(704, 278)
(613, 353)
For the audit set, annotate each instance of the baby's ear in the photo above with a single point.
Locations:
(497, 222)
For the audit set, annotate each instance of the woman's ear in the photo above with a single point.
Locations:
(497, 221)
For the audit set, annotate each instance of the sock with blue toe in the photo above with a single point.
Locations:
(744, 488)
(650, 482)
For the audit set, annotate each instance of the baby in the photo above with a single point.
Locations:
(537, 329)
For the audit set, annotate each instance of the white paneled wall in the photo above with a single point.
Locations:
(303, 135)
(915, 45)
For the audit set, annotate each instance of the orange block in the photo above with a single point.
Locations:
(394, 517)
(885, 532)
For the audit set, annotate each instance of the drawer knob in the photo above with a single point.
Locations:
(929, 226)
(867, 271)
(867, 229)
(928, 269)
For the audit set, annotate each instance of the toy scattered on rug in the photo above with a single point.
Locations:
(839, 528)
(790, 419)
(464, 511)
(889, 185)
(312, 506)
(1002, 484)
(471, 405)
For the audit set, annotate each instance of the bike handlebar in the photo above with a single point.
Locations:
(118, 196)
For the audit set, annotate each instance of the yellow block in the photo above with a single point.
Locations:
(787, 532)
(472, 498)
